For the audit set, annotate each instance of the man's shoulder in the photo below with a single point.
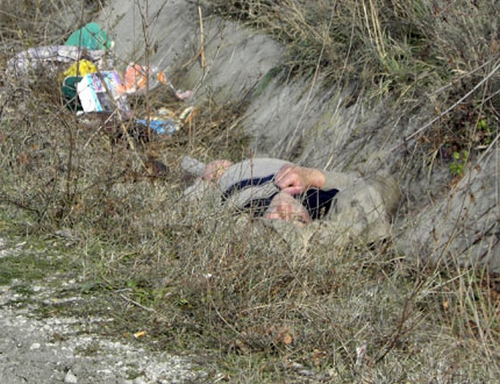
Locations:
(265, 162)
(254, 168)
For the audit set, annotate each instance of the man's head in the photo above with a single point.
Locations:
(285, 207)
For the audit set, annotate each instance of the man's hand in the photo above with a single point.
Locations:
(294, 179)
(214, 170)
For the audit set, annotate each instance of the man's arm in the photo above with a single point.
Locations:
(338, 180)
(294, 179)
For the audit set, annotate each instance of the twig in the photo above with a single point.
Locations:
(125, 131)
(202, 39)
(136, 303)
(201, 51)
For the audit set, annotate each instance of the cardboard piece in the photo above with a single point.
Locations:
(102, 92)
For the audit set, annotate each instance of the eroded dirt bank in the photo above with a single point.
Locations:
(336, 129)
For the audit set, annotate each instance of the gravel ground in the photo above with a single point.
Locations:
(61, 349)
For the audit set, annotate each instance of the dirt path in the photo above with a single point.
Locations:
(45, 349)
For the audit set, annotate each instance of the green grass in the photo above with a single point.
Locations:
(26, 268)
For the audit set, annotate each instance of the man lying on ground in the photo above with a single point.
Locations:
(347, 205)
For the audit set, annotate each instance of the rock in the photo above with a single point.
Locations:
(70, 378)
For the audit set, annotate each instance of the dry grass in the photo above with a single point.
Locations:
(424, 54)
(388, 45)
(232, 291)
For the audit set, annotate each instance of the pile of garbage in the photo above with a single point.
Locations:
(85, 66)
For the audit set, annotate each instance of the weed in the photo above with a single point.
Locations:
(90, 349)
(23, 290)
(459, 162)
(27, 268)
(133, 373)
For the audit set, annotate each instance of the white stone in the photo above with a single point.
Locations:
(70, 378)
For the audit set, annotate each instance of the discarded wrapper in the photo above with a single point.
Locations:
(184, 95)
(80, 68)
(47, 58)
(138, 76)
(100, 92)
(166, 123)
(161, 127)
(187, 115)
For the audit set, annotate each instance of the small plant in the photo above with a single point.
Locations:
(459, 160)
(23, 290)
(485, 132)
(90, 349)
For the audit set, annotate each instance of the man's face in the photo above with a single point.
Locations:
(284, 207)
